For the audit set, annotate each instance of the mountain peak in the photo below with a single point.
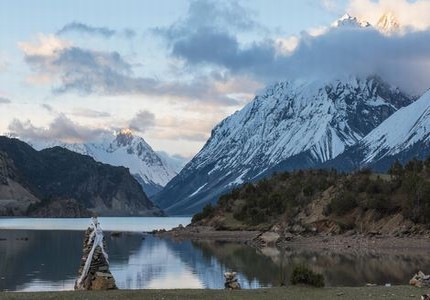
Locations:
(349, 21)
(388, 23)
(124, 137)
(126, 132)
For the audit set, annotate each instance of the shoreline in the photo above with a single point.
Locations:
(345, 243)
(289, 292)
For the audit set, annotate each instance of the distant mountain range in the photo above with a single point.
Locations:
(56, 182)
(151, 169)
(348, 123)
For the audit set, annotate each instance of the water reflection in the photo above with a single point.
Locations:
(49, 260)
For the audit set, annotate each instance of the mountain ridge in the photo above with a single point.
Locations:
(40, 178)
(151, 169)
(402, 136)
(295, 123)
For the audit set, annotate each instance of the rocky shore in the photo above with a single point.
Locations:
(192, 232)
(346, 242)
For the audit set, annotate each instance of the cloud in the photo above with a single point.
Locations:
(3, 63)
(410, 14)
(208, 35)
(184, 128)
(142, 121)
(47, 46)
(86, 71)
(104, 32)
(61, 128)
(225, 15)
(89, 113)
(336, 6)
(4, 100)
(47, 107)
(400, 58)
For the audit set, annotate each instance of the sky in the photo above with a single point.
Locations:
(170, 70)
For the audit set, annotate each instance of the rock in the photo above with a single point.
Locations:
(231, 282)
(101, 274)
(374, 233)
(288, 236)
(103, 283)
(115, 234)
(297, 229)
(420, 280)
(267, 239)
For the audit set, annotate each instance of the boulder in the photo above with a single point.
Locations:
(420, 280)
(267, 239)
(231, 282)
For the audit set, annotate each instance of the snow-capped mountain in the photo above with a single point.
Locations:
(293, 124)
(151, 169)
(388, 23)
(404, 135)
(351, 22)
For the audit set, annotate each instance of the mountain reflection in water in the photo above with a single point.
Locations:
(49, 260)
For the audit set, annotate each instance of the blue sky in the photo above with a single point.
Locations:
(170, 70)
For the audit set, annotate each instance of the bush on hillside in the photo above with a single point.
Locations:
(343, 203)
(303, 275)
(207, 211)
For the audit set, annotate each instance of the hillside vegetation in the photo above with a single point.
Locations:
(321, 199)
(56, 182)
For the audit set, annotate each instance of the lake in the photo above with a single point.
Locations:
(49, 255)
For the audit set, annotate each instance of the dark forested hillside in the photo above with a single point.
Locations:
(57, 174)
(317, 197)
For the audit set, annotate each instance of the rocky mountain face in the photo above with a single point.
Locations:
(152, 170)
(292, 125)
(35, 182)
(403, 136)
(15, 197)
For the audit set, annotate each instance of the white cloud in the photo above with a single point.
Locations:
(47, 45)
(61, 128)
(409, 14)
(285, 46)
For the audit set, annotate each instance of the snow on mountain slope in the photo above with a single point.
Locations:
(404, 129)
(352, 22)
(388, 23)
(176, 162)
(296, 124)
(152, 170)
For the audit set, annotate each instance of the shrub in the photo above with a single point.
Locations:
(343, 203)
(304, 275)
(207, 211)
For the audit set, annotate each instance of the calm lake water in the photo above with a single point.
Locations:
(49, 259)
